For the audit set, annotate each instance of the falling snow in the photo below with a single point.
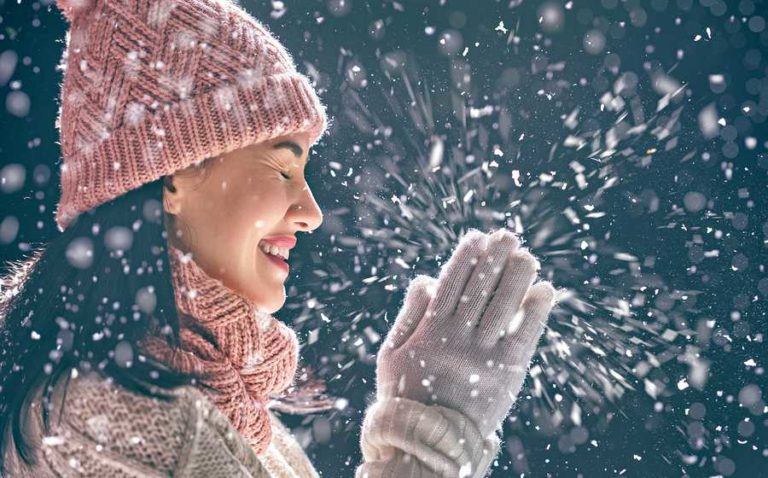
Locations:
(624, 141)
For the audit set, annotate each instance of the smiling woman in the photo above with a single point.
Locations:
(175, 206)
(140, 342)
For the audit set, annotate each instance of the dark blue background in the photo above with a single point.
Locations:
(646, 209)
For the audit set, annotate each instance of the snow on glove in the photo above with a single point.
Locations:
(465, 340)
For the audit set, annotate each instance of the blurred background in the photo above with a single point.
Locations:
(625, 141)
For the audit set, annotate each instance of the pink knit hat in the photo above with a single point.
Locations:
(151, 87)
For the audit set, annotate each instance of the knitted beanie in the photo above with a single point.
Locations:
(151, 87)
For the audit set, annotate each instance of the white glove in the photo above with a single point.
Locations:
(458, 341)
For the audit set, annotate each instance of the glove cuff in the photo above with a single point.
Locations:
(400, 435)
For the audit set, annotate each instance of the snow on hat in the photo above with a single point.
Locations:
(151, 87)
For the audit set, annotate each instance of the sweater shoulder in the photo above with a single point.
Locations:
(97, 428)
(120, 422)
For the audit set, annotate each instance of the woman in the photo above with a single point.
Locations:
(140, 342)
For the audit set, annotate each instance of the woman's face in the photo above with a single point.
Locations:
(227, 209)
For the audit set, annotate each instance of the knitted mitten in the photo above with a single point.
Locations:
(465, 340)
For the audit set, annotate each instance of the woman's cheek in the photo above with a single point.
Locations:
(258, 201)
(270, 193)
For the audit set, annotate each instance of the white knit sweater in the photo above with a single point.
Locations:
(108, 431)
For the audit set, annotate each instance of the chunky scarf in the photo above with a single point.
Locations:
(249, 354)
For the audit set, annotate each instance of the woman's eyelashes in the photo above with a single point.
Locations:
(285, 175)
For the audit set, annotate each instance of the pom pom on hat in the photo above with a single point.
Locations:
(72, 9)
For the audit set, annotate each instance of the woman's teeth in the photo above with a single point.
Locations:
(274, 250)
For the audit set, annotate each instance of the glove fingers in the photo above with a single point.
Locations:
(519, 274)
(456, 272)
(486, 276)
(523, 335)
(417, 298)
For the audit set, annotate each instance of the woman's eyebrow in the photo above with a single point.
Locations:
(295, 148)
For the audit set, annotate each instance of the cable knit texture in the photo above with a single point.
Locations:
(249, 354)
(153, 86)
(108, 431)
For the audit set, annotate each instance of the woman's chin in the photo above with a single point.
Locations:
(272, 304)
(270, 294)
(272, 310)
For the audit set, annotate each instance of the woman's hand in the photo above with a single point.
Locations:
(465, 340)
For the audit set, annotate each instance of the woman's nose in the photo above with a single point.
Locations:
(306, 212)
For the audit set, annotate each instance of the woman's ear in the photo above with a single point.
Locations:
(171, 196)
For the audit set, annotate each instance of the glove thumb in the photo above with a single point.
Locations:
(417, 298)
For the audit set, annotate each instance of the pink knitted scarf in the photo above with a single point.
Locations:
(248, 353)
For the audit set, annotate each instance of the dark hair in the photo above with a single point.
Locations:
(85, 301)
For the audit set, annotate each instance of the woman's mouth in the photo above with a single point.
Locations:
(276, 255)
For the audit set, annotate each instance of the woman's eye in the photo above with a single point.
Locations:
(285, 175)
